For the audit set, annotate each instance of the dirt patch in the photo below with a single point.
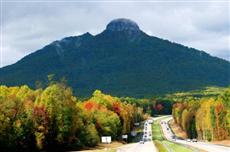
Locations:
(223, 142)
(100, 146)
(177, 130)
(114, 144)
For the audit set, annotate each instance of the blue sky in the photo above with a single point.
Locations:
(30, 25)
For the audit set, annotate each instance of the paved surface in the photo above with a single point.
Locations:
(200, 145)
(145, 145)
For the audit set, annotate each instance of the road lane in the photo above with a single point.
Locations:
(201, 145)
(145, 145)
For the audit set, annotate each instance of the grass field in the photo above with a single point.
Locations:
(157, 134)
(165, 145)
(160, 146)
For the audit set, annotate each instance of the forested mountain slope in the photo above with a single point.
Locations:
(122, 61)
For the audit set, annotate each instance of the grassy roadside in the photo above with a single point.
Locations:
(164, 145)
(176, 147)
(158, 137)
(160, 146)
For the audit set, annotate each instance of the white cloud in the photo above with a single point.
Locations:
(28, 27)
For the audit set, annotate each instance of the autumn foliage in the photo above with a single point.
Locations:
(53, 119)
(206, 118)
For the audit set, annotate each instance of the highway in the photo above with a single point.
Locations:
(145, 145)
(200, 145)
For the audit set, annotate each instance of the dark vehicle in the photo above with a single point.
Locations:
(194, 140)
(174, 137)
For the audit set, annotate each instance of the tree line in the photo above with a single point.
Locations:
(206, 118)
(54, 119)
(153, 106)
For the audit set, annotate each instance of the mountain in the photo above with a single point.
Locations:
(123, 61)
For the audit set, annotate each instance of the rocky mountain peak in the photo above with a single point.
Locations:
(122, 24)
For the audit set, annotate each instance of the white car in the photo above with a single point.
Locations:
(141, 142)
(194, 140)
(188, 140)
(150, 121)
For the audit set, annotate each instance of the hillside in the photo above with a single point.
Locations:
(122, 61)
(208, 92)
